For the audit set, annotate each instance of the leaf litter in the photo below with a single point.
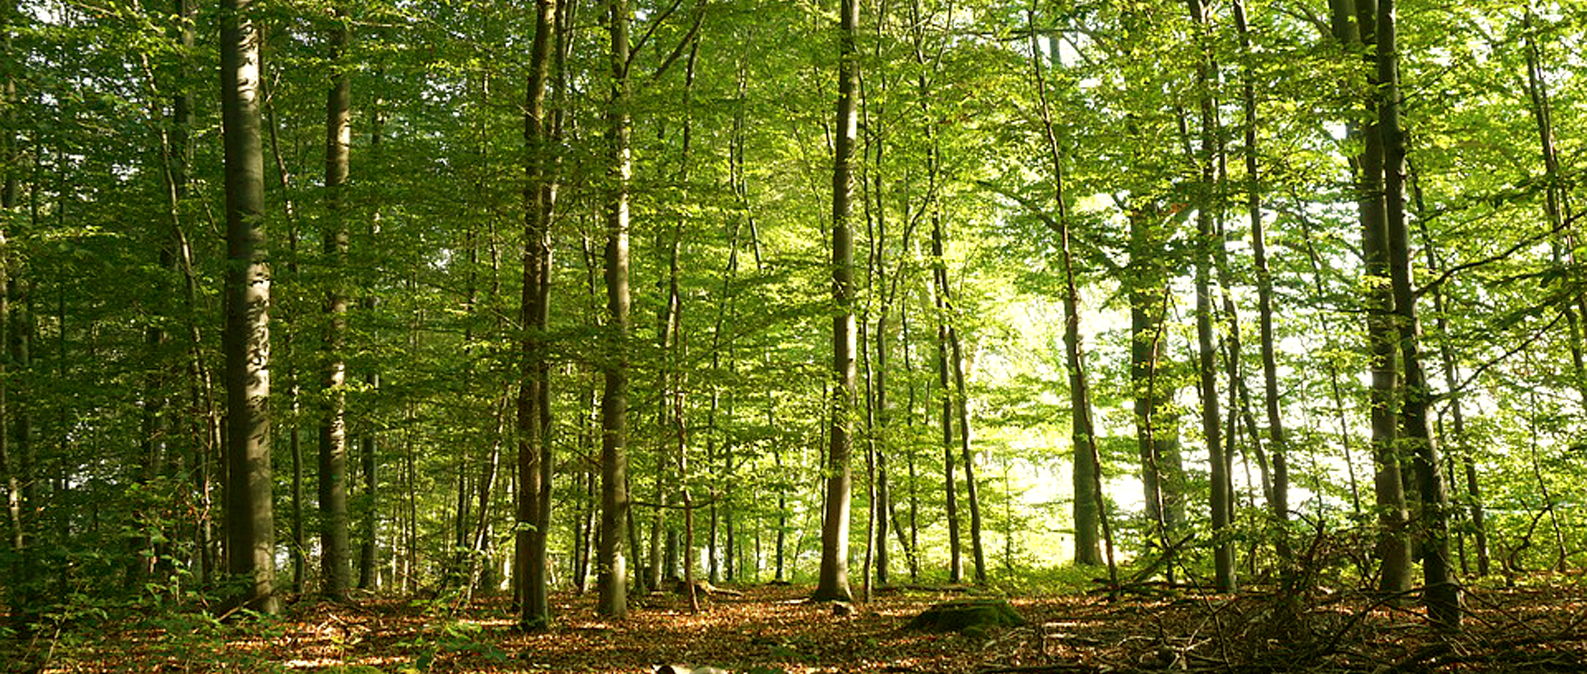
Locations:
(771, 630)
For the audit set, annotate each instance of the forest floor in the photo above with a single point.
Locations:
(770, 629)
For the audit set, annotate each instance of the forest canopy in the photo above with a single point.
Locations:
(315, 297)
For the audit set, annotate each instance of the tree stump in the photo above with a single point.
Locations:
(959, 615)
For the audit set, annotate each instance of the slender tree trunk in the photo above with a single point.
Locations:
(369, 513)
(300, 537)
(176, 150)
(1451, 378)
(782, 517)
(1149, 294)
(1336, 390)
(18, 571)
(534, 445)
(971, 492)
(1222, 485)
(1557, 203)
(834, 578)
(30, 523)
(1442, 593)
(1355, 23)
(479, 569)
(911, 543)
(1278, 500)
(299, 545)
(1090, 507)
(945, 388)
(334, 545)
(883, 499)
(249, 522)
(613, 580)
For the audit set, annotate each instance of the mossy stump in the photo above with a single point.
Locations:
(962, 614)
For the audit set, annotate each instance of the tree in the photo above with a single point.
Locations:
(1090, 505)
(1278, 499)
(535, 459)
(1354, 25)
(612, 582)
(250, 525)
(334, 541)
(1442, 593)
(1222, 485)
(834, 579)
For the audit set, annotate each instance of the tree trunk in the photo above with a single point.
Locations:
(1149, 295)
(249, 520)
(782, 517)
(911, 544)
(19, 571)
(1335, 389)
(971, 493)
(333, 430)
(833, 584)
(613, 581)
(1222, 485)
(1090, 507)
(1278, 499)
(1354, 24)
(1394, 545)
(945, 387)
(1457, 415)
(369, 515)
(534, 413)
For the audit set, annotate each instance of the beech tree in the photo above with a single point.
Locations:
(1075, 221)
(613, 580)
(250, 523)
(334, 539)
(834, 577)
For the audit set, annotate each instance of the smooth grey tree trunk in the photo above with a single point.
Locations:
(833, 583)
(947, 416)
(250, 523)
(334, 541)
(1278, 498)
(534, 399)
(612, 583)
(1441, 594)
(1394, 544)
(1222, 485)
(1089, 507)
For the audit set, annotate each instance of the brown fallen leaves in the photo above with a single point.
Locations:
(771, 629)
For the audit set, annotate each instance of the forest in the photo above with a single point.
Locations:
(528, 335)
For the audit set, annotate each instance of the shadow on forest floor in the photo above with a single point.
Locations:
(770, 629)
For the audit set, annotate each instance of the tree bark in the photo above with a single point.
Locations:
(1222, 485)
(19, 572)
(250, 523)
(612, 583)
(945, 387)
(1278, 498)
(369, 515)
(1149, 296)
(535, 457)
(833, 584)
(1441, 594)
(1090, 507)
(971, 493)
(334, 546)
(1354, 25)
